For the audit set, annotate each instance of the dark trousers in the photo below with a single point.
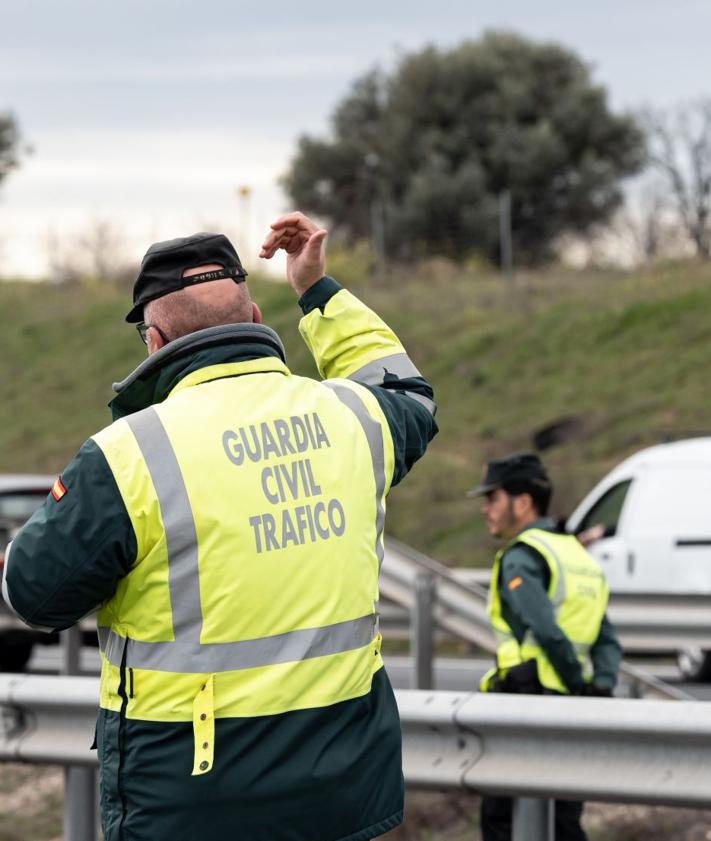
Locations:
(496, 819)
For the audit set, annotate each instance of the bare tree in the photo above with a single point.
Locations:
(679, 147)
(650, 222)
(97, 255)
(644, 230)
(62, 264)
(649, 228)
(103, 247)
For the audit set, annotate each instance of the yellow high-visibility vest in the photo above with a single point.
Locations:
(579, 594)
(258, 503)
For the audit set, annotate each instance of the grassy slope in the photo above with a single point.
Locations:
(628, 354)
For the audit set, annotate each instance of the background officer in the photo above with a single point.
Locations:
(230, 524)
(547, 603)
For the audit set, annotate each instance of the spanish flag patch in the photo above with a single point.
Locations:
(515, 582)
(58, 490)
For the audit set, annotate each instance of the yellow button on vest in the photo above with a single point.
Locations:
(204, 728)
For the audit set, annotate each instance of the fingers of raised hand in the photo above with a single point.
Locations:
(294, 244)
(292, 232)
(290, 239)
(295, 220)
(315, 242)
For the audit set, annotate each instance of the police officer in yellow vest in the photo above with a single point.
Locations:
(229, 523)
(547, 603)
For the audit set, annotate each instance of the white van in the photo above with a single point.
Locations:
(656, 511)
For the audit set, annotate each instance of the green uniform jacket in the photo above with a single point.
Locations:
(528, 608)
(332, 773)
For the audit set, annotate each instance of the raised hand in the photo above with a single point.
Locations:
(304, 243)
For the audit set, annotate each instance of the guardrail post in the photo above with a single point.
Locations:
(80, 818)
(421, 630)
(80, 789)
(533, 819)
(71, 652)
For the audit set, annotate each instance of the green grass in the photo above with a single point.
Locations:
(625, 353)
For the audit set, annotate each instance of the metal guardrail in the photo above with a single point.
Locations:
(566, 748)
(48, 719)
(646, 622)
(459, 608)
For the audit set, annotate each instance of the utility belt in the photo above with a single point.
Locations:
(521, 679)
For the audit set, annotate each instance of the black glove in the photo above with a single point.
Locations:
(591, 690)
(496, 684)
(523, 679)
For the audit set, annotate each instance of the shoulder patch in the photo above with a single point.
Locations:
(515, 583)
(58, 489)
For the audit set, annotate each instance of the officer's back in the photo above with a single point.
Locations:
(230, 523)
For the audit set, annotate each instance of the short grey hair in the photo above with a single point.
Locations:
(179, 313)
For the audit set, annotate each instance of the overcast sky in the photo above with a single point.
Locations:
(151, 113)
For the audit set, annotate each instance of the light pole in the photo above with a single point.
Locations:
(244, 194)
(505, 236)
(377, 215)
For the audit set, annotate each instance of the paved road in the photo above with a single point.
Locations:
(450, 673)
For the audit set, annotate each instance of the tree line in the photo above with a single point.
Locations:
(455, 149)
(422, 160)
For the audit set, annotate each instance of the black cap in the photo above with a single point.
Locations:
(519, 470)
(163, 266)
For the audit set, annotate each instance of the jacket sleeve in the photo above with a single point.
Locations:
(68, 558)
(522, 588)
(349, 340)
(606, 656)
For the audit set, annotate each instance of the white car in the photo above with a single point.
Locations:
(20, 497)
(655, 513)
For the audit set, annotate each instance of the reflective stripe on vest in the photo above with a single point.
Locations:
(181, 537)
(186, 654)
(398, 364)
(204, 658)
(591, 608)
(374, 436)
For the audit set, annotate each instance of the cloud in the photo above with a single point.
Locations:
(223, 70)
(150, 184)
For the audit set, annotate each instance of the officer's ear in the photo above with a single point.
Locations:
(155, 340)
(256, 314)
(523, 505)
